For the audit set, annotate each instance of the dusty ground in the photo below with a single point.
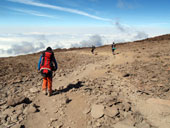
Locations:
(127, 90)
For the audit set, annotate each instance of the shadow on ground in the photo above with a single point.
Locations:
(69, 87)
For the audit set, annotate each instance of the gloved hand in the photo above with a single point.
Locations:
(54, 68)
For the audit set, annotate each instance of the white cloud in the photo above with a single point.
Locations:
(28, 40)
(141, 35)
(4, 39)
(31, 12)
(120, 27)
(95, 40)
(2, 51)
(70, 10)
(24, 48)
(133, 33)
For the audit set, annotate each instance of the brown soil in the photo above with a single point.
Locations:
(133, 85)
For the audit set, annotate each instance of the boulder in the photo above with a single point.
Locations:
(16, 100)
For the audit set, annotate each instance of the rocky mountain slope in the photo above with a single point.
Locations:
(130, 89)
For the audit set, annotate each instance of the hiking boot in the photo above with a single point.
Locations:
(44, 92)
(49, 93)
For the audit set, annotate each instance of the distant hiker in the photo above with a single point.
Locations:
(113, 47)
(92, 49)
(47, 64)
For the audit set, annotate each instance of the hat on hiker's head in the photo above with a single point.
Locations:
(49, 49)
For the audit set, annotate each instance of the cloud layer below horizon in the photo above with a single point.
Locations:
(13, 44)
(26, 41)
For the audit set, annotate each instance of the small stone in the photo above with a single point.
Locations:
(18, 112)
(121, 125)
(72, 122)
(59, 126)
(89, 123)
(2, 103)
(127, 107)
(97, 111)
(111, 111)
(4, 118)
(20, 118)
(98, 124)
(53, 119)
(8, 111)
(126, 75)
(154, 79)
(125, 114)
(32, 109)
(14, 118)
(25, 110)
(142, 125)
(87, 110)
(67, 100)
(16, 126)
(34, 90)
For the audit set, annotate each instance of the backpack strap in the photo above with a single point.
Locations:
(42, 60)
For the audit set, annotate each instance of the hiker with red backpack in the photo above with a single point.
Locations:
(47, 64)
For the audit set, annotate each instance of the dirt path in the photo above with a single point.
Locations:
(54, 110)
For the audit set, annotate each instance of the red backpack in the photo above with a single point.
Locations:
(46, 62)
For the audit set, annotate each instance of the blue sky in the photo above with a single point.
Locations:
(60, 22)
(84, 12)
